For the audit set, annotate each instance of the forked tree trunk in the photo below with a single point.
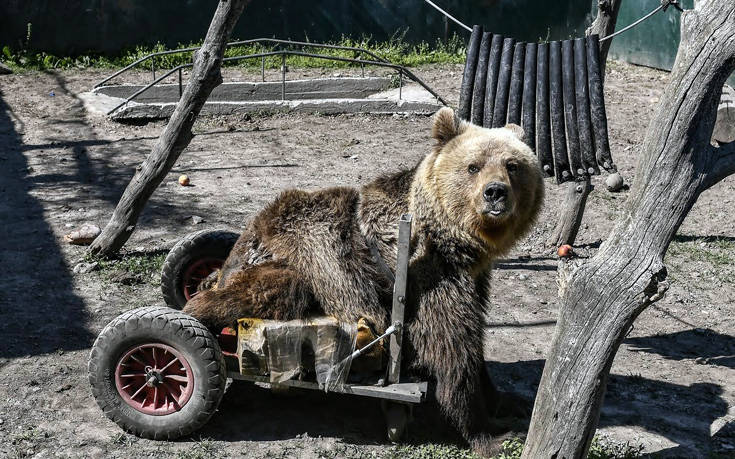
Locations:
(602, 297)
(205, 76)
(575, 196)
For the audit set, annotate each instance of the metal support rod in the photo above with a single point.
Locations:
(362, 67)
(399, 297)
(153, 67)
(181, 89)
(262, 67)
(283, 76)
(400, 84)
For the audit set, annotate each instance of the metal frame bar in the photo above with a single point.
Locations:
(403, 392)
(401, 70)
(241, 42)
(399, 298)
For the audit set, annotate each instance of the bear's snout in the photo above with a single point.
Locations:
(495, 192)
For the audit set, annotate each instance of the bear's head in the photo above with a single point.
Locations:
(486, 181)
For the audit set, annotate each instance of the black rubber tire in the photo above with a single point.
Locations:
(158, 324)
(194, 246)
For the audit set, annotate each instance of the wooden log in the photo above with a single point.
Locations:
(602, 296)
(529, 97)
(584, 124)
(543, 122)
(725, 125)
(496, 48)
(597, 105)
(570, 108)
(478, 92)
(205, 76)
(558, 128)
(500, 109)
(468, 77)
(515, 97)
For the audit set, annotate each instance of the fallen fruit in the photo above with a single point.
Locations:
(184, 180)
(565, 251)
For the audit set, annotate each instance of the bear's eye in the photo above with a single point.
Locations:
(472, 169)
(511, 167)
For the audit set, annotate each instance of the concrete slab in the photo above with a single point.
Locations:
(344, 95)
(321, 88)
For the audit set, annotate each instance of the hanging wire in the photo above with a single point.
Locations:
(663, 6)
(448, 15)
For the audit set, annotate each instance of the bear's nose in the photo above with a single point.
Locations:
(495, 192)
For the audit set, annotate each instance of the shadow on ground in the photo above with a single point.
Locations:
(706, 347)
(660, 407)
(39, 311)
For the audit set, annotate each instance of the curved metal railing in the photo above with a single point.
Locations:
(378, 62)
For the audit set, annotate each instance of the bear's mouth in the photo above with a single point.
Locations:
(495, 210)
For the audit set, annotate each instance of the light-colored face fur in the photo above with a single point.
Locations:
(488, 181)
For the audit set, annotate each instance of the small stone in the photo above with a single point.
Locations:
(522, 277)
(84, 235)
(196, 219)
(614, 182)
(84, 268)
(1, 422)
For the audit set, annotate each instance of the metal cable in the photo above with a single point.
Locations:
(448, 15)
(663, 6)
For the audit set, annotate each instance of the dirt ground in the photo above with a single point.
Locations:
(672, 388)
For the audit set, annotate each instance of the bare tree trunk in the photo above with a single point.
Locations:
(602, 297)
(575, 198)
(205, 76)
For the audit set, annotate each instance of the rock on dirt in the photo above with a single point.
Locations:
(84, 235)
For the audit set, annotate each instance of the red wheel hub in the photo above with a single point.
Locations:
(154, 379)
(196, 272)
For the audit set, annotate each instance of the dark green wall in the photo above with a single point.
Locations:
(71, 27)
(82, 26)
(653, 42)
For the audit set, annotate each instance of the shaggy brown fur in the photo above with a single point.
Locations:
(306, 254)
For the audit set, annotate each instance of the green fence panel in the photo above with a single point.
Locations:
(654, 42)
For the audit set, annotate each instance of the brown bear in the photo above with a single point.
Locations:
(307, 253)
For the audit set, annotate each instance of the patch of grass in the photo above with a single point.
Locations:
(123, 439)
(601, 448)
(718, 252)
(134, 267)
(430, 451)
(204, 448)
(396, 50)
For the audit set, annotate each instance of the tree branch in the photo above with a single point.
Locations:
(723, 167)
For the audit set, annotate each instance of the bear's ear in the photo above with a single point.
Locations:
(446, 126)
(517, 131)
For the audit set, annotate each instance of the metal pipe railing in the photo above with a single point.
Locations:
(237, 43)
(399, 68)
